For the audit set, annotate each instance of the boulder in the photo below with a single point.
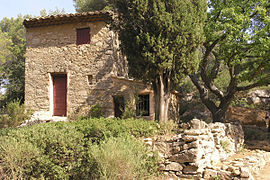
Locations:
(247, 116)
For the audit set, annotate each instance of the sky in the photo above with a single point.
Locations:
(11, 8)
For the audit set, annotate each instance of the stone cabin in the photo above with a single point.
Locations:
(73, 62)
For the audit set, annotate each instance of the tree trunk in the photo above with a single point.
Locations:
(219, 115)
(162, 98)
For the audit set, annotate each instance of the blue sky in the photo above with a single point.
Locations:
(11, 8)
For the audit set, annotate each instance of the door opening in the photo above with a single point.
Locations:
(119, 106)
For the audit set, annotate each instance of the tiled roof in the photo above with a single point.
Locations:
(65, 19)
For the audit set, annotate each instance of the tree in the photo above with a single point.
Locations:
(57, 11)
(237, 43)
(12, 59)
(89, 5)
(160, 39)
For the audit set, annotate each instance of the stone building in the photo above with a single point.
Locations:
(73, 62)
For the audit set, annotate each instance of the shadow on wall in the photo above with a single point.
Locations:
(102, 89)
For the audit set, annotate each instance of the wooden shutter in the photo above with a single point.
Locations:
(83, 36)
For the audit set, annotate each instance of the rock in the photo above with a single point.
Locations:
(209, 174)
(245, 173)
(160, 146)
(191, 155)
(173, 167)
(258, 97)
(197, 124)
(195, 132)
(161, 167)
(190, 169)
(193, 144)
(247, 116)
(189, 138)
(225, 175)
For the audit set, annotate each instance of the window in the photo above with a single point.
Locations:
(83, 36)
(142, 107)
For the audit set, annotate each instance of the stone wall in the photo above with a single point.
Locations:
(201, 146)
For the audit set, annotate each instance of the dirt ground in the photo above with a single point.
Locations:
(264, 174)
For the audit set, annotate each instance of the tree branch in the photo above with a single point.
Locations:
(215, 69)
(204, 95)
(244, 88)
(208, 81)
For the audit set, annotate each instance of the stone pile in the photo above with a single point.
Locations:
(200, 146)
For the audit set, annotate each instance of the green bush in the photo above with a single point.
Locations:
(13, 114)
(123, 158)
(19, 159)
(96, 111)
(84, 149)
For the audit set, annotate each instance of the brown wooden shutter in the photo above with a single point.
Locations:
(83, 36)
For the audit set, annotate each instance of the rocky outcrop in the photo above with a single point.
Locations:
(189, 154)
(259, 96)
(247, 116)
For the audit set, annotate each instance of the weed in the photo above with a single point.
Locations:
(225, 145)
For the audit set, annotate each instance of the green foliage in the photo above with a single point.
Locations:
(96, 111)
(160, 39)
(225, 144)
(12, 58)
(100, 129)
(13, 114)
(18, 158)
(235, 55)
(57, 11)
(159, 36)
(123, 158)
(89, 5)
(85, 149)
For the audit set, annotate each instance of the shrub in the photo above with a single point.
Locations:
(61, 148)
(96, 111)
(123, 158)
(85, 149)
(13, 114)
(99, 129)
(19, 159)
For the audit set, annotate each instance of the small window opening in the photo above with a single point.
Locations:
(83, 36)
(142, 107)
(90, 79)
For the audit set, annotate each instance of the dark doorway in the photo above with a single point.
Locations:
(119, 106)
(60, 94)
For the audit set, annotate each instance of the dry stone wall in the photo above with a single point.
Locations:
(201, 146)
